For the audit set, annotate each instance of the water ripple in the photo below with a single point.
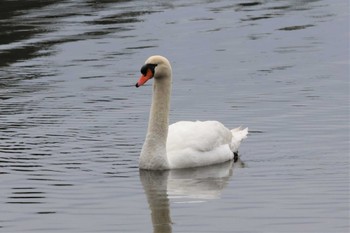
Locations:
(72, 123)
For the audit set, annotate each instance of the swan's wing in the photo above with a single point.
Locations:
(200, 136)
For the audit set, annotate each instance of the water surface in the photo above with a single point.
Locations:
(72, 123)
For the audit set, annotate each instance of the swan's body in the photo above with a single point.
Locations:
(183, 144)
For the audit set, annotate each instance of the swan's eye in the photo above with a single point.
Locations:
(146, 67)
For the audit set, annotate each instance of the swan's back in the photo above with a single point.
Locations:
(200, 143)
(198, 135)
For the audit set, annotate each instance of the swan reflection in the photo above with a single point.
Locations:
(187, 185)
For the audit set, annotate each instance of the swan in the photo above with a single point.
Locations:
(184, 144)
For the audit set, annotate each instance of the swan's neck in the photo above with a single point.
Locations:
(153, 154)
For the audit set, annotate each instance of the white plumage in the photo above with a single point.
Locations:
(201, 143)
(183, 144)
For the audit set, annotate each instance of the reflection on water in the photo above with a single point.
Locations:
(189, 185)
(201, 183)
(155, 186)
(72, 124)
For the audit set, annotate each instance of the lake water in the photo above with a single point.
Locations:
(72, 124)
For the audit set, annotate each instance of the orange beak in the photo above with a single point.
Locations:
(144, 78)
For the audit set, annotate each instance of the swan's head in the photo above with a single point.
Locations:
(155, 66)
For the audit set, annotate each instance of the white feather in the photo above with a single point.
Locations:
(201, 143)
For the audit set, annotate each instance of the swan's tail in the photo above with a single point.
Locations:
(238, 134)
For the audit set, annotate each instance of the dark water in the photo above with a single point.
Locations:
(72, 123)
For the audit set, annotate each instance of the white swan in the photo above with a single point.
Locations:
(183, 144)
